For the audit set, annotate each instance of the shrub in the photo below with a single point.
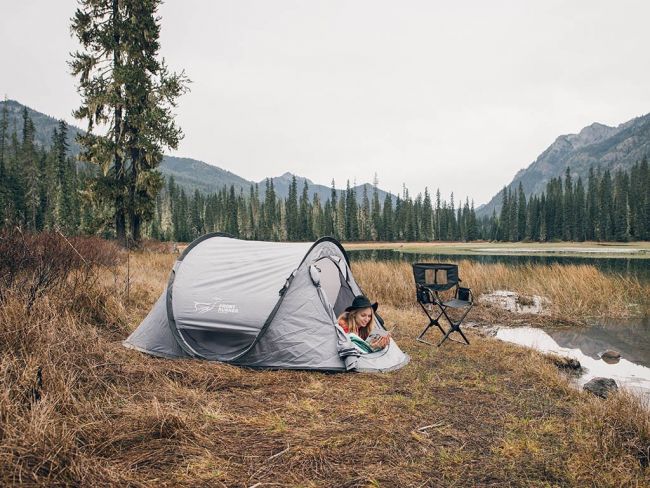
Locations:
(33, 264)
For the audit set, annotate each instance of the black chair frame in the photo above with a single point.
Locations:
(428, 295)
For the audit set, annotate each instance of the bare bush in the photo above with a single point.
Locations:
(153, 246)
(33, 264)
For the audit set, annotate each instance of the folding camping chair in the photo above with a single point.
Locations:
(430, 280)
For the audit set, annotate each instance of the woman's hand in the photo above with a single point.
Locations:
(381, 342)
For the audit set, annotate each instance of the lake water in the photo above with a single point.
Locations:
(626, 266)
(631, 338)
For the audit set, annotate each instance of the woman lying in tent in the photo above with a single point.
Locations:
(357, 322)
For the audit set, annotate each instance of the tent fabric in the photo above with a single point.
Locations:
(219, 313)
(260, 304)
(154, 335)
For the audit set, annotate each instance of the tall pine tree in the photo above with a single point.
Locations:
(126, 88)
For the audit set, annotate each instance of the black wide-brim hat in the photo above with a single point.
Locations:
(361, 301)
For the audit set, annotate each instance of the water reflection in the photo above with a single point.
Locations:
(625, 266)
(631, 339)
(630, 372)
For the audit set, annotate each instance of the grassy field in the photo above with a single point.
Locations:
(489, 414)
(639, 250)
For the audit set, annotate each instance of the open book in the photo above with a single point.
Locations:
(361, 345)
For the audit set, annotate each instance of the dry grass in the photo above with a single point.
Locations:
(578, 292)
(490, 414)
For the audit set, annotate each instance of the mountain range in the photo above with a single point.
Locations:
(190, 174)
(596, 145)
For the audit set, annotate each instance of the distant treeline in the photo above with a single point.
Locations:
(612, 207)
(44, 189)
(299, 217)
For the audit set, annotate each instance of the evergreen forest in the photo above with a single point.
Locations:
(46, 189)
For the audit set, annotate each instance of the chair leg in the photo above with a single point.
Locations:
(446, 336)
(462, 335)
(432, 322)
(419, 338)
(460, 321)
(455, 326)
(454, 329)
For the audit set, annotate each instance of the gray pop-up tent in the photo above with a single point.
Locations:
(260, 304)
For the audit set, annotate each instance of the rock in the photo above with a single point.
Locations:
(611, 357)
(610, 354)
(601, 387)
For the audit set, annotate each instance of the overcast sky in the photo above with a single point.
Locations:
(451, 95)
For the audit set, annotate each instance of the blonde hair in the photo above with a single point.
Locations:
(351, 318)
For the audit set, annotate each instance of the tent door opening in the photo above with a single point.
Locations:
(334, 285)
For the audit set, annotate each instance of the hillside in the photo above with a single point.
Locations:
(44, 125)
(596, 145)
(191, 174)
(197, 175)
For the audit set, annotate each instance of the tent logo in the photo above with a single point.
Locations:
(217, 303)
(227, 308)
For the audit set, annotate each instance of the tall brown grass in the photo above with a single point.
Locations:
(578, 291)
(100, 415)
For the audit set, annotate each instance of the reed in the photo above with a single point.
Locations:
(577, 291)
